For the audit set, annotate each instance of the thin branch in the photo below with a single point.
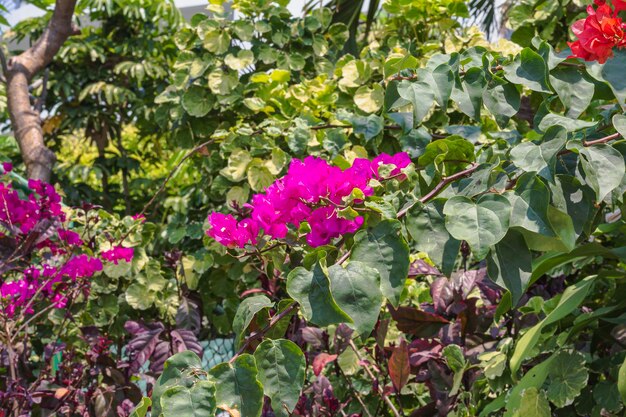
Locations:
(439, 187)
(588, 143)
(172, 172)
(257, 335)
(601, 140)
(393, 408)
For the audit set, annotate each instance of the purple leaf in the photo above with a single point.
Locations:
(417, 322)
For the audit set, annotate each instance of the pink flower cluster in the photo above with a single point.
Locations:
(20, 217)
(46, 282)
(312, 191)
(118, 253)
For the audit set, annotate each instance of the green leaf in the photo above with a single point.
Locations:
(571, 125)
(248, 308)
(533, 404)
(139, 297)
(217, 41)
(567, 378)
(541, 158)
(142, 408)
(530, 70)
(282, 367)
(481, 224)
(502, 101)
(456, 362)
(370, 100)
(619, 123)
(397, 63)
(237, 386)
(529, 205)
(384, 249)
(574, 89)
(621, 381)
(443, 78)
(570, 196)
(571, 298)
(175, 372)
(237, 167)
(454, 357)
(426, 225)
(312, 290)
(243, 59)
(453, 148)
(197, 401)
(420, 95)
(603, 166)
(356, 289)
(468, 94)
(510, 264)
(534, 378)
(198, 101)
(259, 175)
(369, 126)
(612, 72)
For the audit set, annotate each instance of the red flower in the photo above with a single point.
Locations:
(619, 5)
(598, 34)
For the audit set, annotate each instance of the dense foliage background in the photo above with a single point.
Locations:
(438, 212)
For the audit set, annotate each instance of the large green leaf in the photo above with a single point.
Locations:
(530, 205)
(502, 101)
(443, 81)
(197, 401)
(238, 162)
(468, 94)
(619, 123)
(482, 223)
(533, 404)
(571, 125)
(540, 158)
(198, 101)
(567, 378)
(384, 249)
(612, 72)
(530, 70)
(603, 166)
(142, 408)
(420, 95)
(312, 290)
(574, 89)
(237, 386)
(570, 196)
(510, 264)
(571, 298)
(175, 372)
(248, 308)
(426, 225)
(281, 366)
(356, 288)
(534, 378)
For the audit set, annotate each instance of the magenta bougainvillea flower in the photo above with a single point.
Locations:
(312, 191)
(69, 237)
(118, 253)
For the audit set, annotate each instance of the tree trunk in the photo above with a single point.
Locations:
(19, 72)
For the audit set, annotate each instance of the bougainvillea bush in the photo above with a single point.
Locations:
(429, 226)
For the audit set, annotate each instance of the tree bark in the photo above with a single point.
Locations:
(19, 72)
